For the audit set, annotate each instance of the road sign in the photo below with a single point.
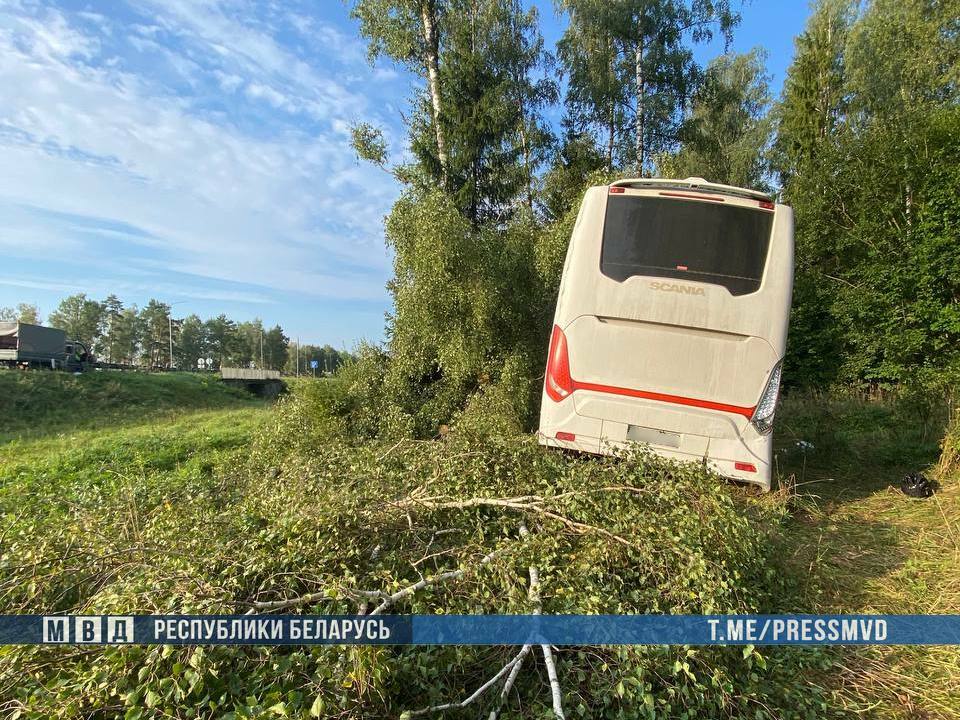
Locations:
(314, 364)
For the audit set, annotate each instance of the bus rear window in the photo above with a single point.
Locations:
(703, 241)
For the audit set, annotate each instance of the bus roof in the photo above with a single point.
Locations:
(689, 184)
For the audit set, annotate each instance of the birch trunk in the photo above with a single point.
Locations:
(641, 102)
(432, 51)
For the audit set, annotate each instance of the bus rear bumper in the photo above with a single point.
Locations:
(732, 458)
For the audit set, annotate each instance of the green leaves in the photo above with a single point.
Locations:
(866, 149)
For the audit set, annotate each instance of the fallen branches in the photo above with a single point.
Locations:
(512, 669)
(387, 599)
(514, 664)
(554, 681)
(524, 503)
(429, 581)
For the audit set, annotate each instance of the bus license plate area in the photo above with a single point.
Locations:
(652, 436)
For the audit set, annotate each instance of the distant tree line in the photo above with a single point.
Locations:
(23, 312)
(129, 335)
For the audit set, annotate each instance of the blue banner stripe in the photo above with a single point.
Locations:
(482, 629)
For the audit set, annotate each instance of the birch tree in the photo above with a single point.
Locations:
(410, 32)
(632, 64)
(726, 134)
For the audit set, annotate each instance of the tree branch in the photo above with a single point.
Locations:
(517, 659)
(526, 503)
(428, 581)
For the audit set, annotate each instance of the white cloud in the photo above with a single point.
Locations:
(280, 203)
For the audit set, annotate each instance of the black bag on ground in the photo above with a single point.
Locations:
(916, 485)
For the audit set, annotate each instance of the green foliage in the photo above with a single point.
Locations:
(328, 359)
(368, 142)
(81, 318)
(130, 336)
(477, 130)
(726, 134)
(155, 338)
(813, 98)
(576, 162)
(851, 432)
(496, 137)
(868, 154)
(191, 343)
(23, 312)
(466, 300)
(631, 67)
(950, 455)
(206, 524)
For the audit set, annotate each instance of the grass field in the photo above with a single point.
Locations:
(861, 545)
(157, 451)
(38, 403)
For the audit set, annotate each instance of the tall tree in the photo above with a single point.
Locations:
(596, 95)
(126, 331)
(727, 132)
(868, 128)
(112, 312)
(221, 335)
(411, 32)
(814, 93)
(576, 160)
(81, 318)
(490, 70)
(249, 343)
(631, 63)
(156, 338)
(496, 139)
(193, 343)
(275, 348)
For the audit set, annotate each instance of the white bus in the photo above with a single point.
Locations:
(671, 324)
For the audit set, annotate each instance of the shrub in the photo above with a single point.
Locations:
(294, 516)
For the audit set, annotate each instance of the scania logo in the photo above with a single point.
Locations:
(673, 287)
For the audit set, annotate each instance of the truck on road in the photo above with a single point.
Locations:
(26, 345)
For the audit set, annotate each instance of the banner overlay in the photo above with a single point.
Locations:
(481, 629)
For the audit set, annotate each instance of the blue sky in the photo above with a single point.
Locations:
(198, 152)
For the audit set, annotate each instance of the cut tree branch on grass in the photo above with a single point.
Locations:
(387, 599)
(428, 581)
(525, 503)
(554, 681)
(508, 668)
(512, 669)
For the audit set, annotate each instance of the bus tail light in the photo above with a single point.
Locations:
(745, 467)
(558, 382)
(567, 436)
(763, 414)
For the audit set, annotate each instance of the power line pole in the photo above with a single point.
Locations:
(261, 349)
(298, 357)
(170, 336)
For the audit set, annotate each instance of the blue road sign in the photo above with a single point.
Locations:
(314, 364)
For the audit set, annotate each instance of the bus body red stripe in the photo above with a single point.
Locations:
(747, 412)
